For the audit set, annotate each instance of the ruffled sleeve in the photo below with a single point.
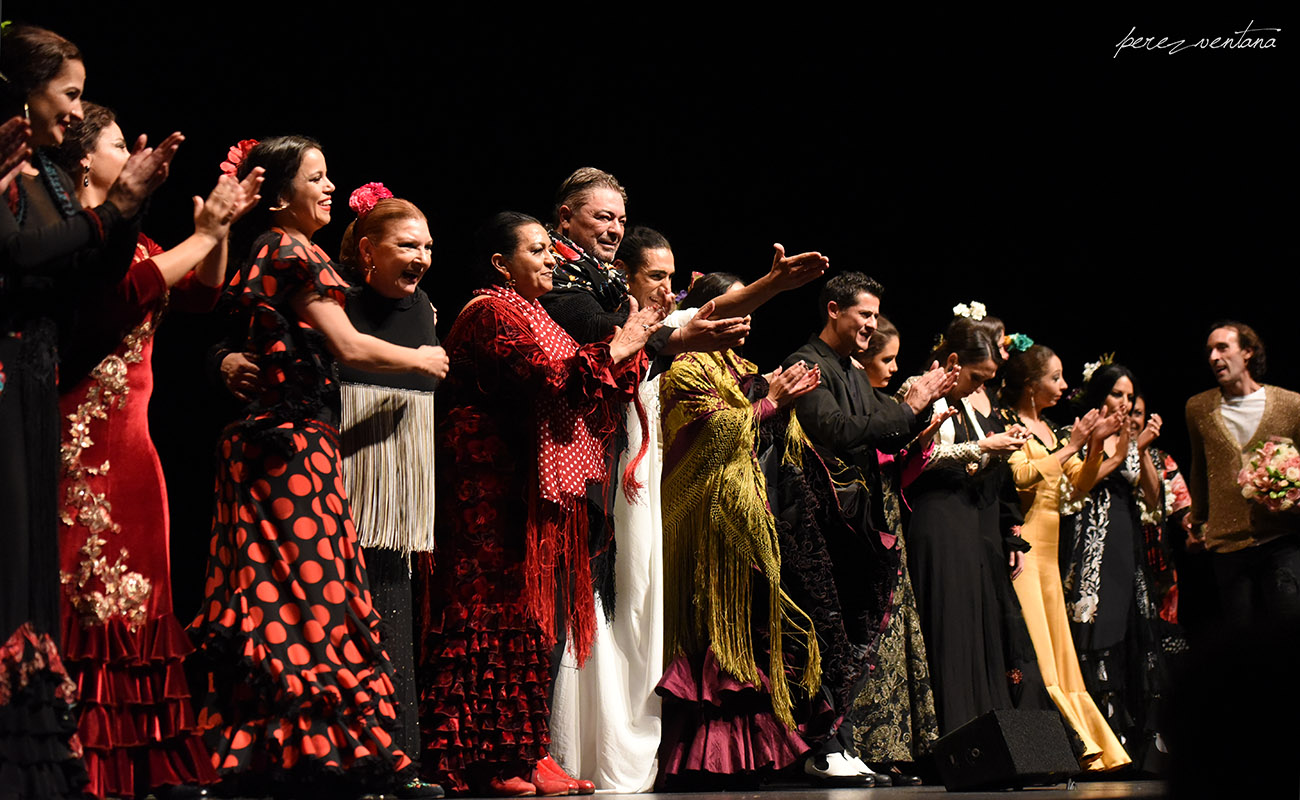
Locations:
(509, 358)
(280, 266)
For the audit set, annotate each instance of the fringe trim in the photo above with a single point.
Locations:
(717, 528)
(388, 444)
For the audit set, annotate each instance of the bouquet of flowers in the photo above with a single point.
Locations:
(1272, 476)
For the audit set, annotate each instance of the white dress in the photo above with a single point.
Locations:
(605, 717)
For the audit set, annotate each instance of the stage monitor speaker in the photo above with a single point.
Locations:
(1006, 749)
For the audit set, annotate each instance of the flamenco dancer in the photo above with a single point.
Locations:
(300, 690)
(520, 444)
(122, 643)
(55, 256)
(388, 421)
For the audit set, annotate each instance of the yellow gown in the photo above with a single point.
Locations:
(1039, 477)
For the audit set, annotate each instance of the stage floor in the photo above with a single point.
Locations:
(1092, 790)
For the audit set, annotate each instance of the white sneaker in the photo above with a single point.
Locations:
(836, 768)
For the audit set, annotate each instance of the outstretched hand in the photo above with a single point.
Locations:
(704, 334)
(791, 272)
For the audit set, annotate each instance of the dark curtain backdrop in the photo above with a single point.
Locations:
(1095, 202)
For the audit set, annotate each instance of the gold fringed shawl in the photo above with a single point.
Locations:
(388, 440)
(718, 528)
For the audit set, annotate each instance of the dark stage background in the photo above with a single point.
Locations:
(1097, 203)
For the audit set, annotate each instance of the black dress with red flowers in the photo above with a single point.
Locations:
(299, 687)
(485, 651)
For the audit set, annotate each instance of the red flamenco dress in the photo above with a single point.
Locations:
(299, 690)
(122, 645)
(527, 411)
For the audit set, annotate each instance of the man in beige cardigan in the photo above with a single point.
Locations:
(1255, 553)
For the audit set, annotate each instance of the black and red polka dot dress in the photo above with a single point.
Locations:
(298, 685)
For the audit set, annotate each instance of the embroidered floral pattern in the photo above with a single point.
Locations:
(1087, 570)
(124, 593)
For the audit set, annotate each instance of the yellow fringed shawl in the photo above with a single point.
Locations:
(718, 528)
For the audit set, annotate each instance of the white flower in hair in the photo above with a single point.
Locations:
(1090, 368)
(975, 310)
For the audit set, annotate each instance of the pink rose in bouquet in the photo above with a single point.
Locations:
(1272, 476)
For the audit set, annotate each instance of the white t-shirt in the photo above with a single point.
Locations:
(1243, 414)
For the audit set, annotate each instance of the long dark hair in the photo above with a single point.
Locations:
(280, 156)
(1102, 381)
(30, 57)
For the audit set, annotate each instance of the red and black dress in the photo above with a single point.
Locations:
(121, 641)
(299, 688)
(527, 410)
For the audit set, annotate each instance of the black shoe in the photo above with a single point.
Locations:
(896, 776)
(418, 790)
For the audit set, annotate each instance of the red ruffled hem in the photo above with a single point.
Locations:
(40, 755)
(137, 723)
(716, 724)
(484, 711)
(296, 722)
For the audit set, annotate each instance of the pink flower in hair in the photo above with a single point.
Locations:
(236, 156)
(365, 198)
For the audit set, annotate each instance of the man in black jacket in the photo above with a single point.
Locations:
(847, 421)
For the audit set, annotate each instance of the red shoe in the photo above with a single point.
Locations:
(551, 785)
(510, 787)
(583, 786)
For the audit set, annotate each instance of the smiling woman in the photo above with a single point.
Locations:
(57, 260)
(520, 441)
(298, 676)
(388, 422)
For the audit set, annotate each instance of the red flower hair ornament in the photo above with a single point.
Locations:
(363, 200)
(236, 155)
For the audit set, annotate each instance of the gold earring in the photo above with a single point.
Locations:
(282, 205)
